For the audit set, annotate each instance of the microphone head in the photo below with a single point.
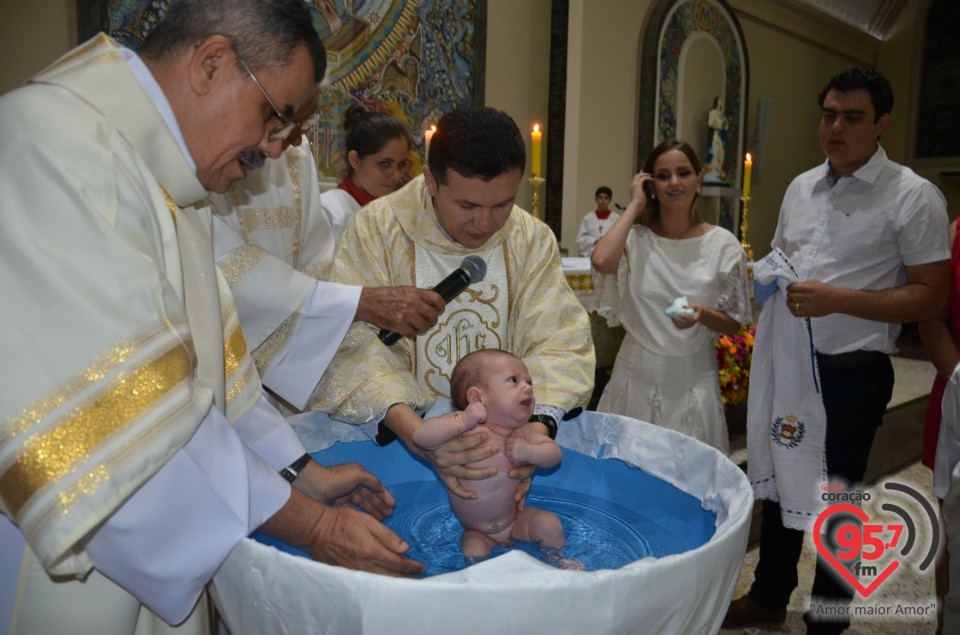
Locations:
(474, 267)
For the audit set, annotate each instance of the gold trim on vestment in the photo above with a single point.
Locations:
(49, 456)
(234, 354)
(239, 263)
(171, 206)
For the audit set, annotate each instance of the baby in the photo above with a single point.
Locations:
(494, 394)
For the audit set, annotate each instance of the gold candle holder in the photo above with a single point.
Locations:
(744, 227)
(536, 181)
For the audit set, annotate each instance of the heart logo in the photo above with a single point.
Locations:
(851, 540)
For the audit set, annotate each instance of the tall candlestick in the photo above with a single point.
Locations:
(427, 136)
(747, 172)
(536, 181)
(535, 149)
(745, 227)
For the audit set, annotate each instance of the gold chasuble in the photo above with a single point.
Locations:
(523, 305)
(118, 333)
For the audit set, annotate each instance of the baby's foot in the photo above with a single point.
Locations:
(571, 564)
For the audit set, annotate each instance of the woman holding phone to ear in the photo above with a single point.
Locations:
(657, 251)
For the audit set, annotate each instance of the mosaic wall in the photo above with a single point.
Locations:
(414, 59)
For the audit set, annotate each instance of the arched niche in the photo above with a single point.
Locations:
(692, 52)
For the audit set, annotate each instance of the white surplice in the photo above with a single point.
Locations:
(275, 247)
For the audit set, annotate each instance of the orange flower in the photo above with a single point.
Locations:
(733, 361)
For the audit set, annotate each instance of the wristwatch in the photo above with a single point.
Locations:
(292, 471)
(548, 421)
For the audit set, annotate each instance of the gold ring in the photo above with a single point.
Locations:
(459, 426)
(796, 305)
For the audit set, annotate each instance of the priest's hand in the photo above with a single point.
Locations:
(452, 461)
(340, 536)
(346, 484)
(406, 310)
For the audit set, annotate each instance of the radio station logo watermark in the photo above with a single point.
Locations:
(867, 550)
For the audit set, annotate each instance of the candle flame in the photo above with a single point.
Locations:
(433, 128)
(748, 157)
(536, 127)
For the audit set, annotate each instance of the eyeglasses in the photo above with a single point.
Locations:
(287, 126)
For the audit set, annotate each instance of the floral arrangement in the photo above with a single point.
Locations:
(733, 359)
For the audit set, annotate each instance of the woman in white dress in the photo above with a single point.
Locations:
(657, 251)
(378, 158)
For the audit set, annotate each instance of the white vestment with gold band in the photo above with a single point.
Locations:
(132, 419)
(275, 247)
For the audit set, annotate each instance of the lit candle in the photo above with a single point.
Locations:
(428, 135)
(747, 172)
(535, 149)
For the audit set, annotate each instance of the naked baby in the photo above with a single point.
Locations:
(493, 393)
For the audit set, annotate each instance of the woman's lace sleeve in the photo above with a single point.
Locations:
(608, 290)
(734, 298)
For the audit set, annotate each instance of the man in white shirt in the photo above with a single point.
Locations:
(867, 239)
(137, 448)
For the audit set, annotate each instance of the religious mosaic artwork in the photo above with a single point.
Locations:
(414, 59)
(131, 21)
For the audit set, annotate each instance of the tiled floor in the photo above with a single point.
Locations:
(894, 459)
(907, 588)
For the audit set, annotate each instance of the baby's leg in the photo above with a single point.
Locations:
(476, 545)
(539, 525)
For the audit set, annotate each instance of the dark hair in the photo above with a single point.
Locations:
(478, 143)
(881, 93)
(468, 373)
(367, 132)
(603, 189)
(265, 33)
(652, 211)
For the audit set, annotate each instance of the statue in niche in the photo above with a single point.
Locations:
(718, 124)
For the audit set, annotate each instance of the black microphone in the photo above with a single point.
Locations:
(471, 270)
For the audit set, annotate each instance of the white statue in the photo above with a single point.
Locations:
(718, 125)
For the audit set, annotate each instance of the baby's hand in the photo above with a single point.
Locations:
(474, 415)
(517, 450)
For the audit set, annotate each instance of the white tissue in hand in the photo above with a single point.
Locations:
(679, 308)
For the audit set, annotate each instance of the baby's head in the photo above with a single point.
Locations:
(497, 379)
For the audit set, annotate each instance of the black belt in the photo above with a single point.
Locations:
(851, 359)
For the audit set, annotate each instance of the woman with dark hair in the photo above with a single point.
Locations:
(675, 283)
(378, 156)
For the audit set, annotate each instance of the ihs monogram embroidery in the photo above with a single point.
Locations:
(474, 320)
